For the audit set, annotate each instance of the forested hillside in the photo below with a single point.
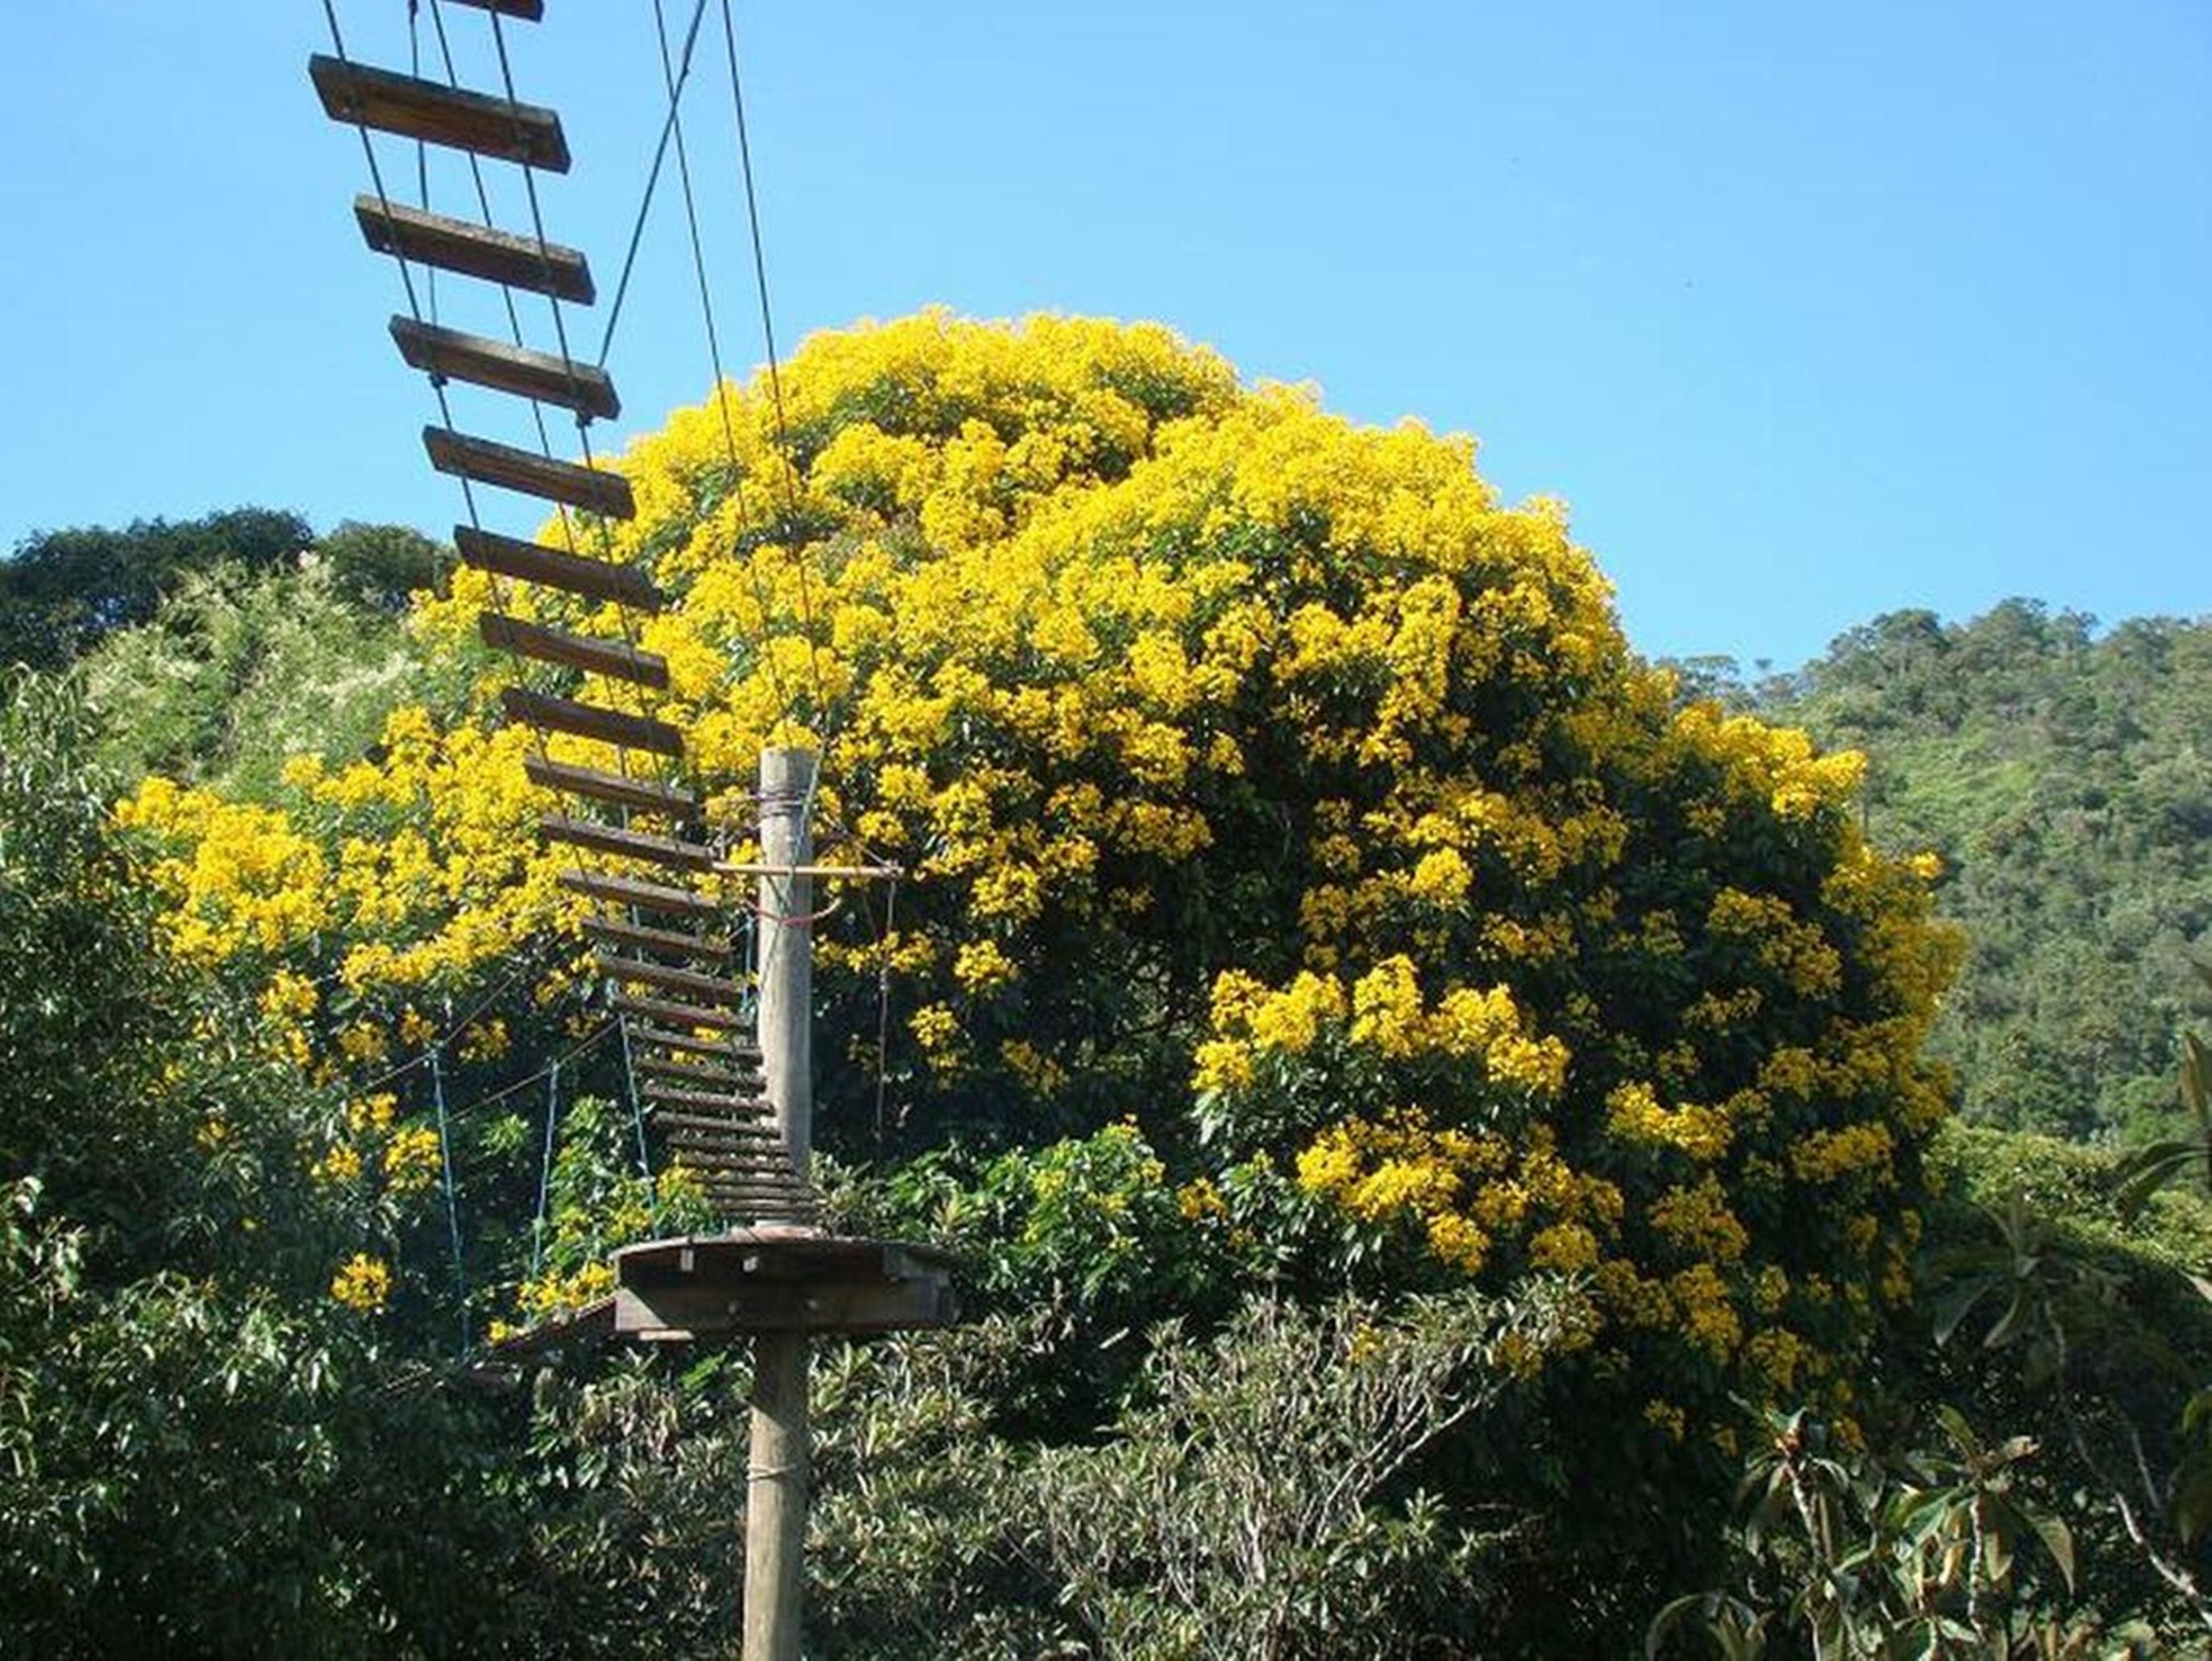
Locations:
(2065, 778)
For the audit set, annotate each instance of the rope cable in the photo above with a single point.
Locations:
(714, 358)
(545, 1169)
(776, 393)
(636, 1107)
(652, 182)
(452, 1198)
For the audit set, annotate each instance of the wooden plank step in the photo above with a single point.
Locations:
(530, 11)
(552, 713)
(513, 469)
(647, 896)
(744, 1107)
(758, 1129)
(730, 1153)
(701, 948)
(780, 1188)
(440, 114)
(552, 568)
(792, 1202)
(696, 1072)
(716, 989)
(451, 354)
(463, 246)
(616, 658)
(649, 794)
(606, 838)
(685, 1043)
(681, 1015)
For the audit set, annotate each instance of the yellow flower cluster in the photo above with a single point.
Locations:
(363, 1283)
(1468, 1193)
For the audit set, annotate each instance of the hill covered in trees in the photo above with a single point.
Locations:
(2065, 776)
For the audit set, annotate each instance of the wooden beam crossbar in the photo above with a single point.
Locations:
(716, 989)
(513, 469)
(551, 713)
(603, 838)
(550, 568)
(646, 896)
(649, 794)
(439, 114)
(451, 353)
(681, 1015)
(468, 249)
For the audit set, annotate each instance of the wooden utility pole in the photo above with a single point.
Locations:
(777, 1478)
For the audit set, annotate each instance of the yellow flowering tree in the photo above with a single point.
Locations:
(1257, 773)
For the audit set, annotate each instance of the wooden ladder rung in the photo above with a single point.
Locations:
(440, 114)
(613, 658)
(689, 1044)
(646, 896)
(635, 971)
(694, 1072)
(530, 11)
(464, 246)
(701, 948)
(605, 838)
(649, 794)
(450, 354)
(750, 1139)
(731, 1164)
(760, 1127)
(512, 469)
(552, 713)
(551, 567)
(681, 1015)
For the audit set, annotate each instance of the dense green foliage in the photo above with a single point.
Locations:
(63, 592)
(2065, 778)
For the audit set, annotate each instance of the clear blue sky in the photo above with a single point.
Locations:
(1809, 313)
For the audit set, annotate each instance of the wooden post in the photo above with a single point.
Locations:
(777, 1477)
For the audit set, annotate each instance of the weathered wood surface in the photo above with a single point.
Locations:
(649, 794)
(700, 948)
(553, 713)
(616, 658)
(716, 989)
(553, 567)
(680, 1014)
(603, 838)
(487, 462)
(468, 249)
(646, 896)
(545, 376)
(754, 1281)
(439, 114)
(691, 1044)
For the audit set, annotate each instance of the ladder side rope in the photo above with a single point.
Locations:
(453, 1199)
(406, 275)
(715, 358)
(652, 182)
(775, 391)
(545, 1170)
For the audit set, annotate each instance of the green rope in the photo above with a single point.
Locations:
(452, 1198)
(636, 1108)
(545, 1169)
